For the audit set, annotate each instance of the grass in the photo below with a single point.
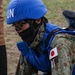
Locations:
(55, 8)
(5, 3)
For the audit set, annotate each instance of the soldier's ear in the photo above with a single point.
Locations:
(38, 21)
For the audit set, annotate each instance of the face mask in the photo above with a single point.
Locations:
(27, 35)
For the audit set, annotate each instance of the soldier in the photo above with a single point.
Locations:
(40, 39)
(3, 57)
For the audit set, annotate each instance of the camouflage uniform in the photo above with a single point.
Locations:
(66, 60)
(24, 68)
(66, 54)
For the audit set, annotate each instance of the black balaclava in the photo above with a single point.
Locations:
(29, 34)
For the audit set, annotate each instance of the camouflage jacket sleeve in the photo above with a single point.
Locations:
(65, 46)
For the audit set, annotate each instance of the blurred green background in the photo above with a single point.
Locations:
(55, 8)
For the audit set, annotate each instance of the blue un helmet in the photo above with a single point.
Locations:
(25, 9)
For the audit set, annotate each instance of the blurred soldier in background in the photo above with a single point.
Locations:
(3, 57)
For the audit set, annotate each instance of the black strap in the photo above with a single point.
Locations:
(50, 35)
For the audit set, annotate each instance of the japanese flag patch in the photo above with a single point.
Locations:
(53, 53)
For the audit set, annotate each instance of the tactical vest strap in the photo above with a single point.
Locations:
(50, 35)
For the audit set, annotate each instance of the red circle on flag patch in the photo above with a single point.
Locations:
(52, 53)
